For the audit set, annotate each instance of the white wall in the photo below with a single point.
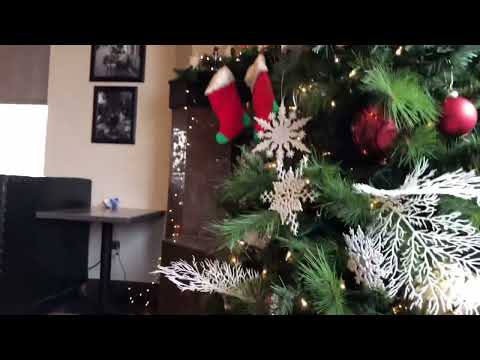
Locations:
(137, 174)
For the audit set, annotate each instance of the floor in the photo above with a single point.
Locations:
(162, 298)
(138, 299)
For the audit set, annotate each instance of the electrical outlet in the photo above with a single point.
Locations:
(116, 246)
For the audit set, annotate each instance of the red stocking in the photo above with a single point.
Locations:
(263, 99)
(227, 106)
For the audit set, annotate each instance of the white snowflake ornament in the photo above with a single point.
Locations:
(282, 135)
(288, 195)
(421, 248)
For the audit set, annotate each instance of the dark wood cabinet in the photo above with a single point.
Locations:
(198, 166)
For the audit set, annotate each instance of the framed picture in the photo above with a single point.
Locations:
(118, 63)
(114, 114)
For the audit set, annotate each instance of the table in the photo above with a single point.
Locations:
(107, 218)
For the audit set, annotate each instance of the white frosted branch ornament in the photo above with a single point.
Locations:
(282, 135)
(365, 261)
(209, 276)
(420, 248)
(461, 184)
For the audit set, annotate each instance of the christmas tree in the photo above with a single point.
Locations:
(358, 191)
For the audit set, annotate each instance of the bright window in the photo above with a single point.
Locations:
(23, 134)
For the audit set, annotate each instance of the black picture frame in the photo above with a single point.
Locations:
(107, 125)
(101, 70)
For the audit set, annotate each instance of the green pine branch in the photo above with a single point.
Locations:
(402, 95)
(322, 284)
(252, 298)
(424, 142)
(368, 302)
(468, 208)
(463, 152)
(248, 181)
(336, 197)
(284, 298)
(233, 230)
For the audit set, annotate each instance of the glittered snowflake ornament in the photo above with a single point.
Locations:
(282, 136)
(288, 195)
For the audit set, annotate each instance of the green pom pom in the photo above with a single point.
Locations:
(247, 120)
(221, 139)
(275, 107)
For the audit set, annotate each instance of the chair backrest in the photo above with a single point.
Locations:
(54, 252)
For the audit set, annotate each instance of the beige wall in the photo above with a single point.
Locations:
(183, 54)
(137, 174)
(207, 49)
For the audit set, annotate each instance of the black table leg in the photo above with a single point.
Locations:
(105, 265)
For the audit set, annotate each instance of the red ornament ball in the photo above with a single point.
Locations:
(373, 134)
(459, 116)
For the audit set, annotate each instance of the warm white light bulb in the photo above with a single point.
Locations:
(399, 51)
(289, 255)
(333, 103)
(304, 303)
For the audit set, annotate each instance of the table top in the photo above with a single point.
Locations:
(119, 216)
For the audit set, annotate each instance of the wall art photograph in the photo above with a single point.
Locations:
(114, 115)
(117, 63)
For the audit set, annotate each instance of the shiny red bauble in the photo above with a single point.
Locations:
(459, 116)
(374, 134)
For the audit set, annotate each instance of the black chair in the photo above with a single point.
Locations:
(40, 260)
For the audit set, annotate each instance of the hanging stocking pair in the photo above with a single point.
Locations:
(227, 106)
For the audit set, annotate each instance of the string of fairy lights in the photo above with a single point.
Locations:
(143, 296)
